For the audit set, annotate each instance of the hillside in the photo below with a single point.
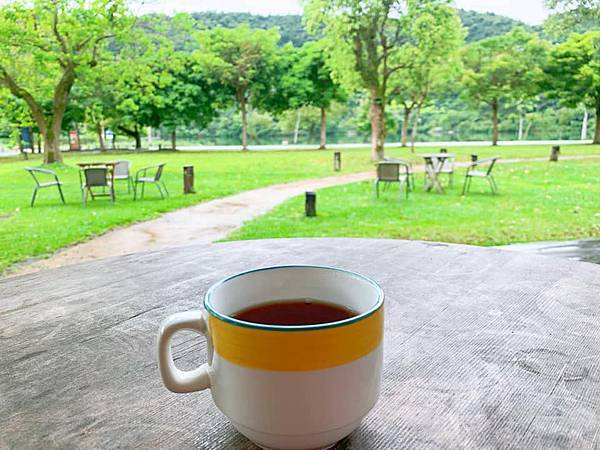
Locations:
(479, 25)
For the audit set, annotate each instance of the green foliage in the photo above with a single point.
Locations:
(505, 68)
(44, 46)
(310, 81)
(485, 25)
(573, 73)
(246, 62)
(573, 70)
(432, 59)
(290, 26)
(572, 16)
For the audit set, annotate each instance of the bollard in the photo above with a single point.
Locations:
(473, 157)
(188, 180)
(310, 204)
(554, 153)
(337, 161)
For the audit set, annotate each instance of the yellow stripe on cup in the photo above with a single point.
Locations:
(296, 350)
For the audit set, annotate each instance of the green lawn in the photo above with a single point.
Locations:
(537, 201)
(32, 232)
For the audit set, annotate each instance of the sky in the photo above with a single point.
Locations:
(529, 11)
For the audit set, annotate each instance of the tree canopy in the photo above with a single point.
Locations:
(44, 46)
(573, 73)
(505, 68)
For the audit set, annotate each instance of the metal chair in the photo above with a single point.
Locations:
(473, 172)
(122, 173)
(43, 172)
(141, 177)
(392, 172)
(96, 177)
(411, 174)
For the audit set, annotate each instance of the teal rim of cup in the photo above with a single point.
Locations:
(340, 323)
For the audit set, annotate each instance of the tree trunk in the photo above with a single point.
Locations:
(138, 139)
(521, 123)
(100, 131)
(59, 105)
(244, 123)
(323, 128)
(415, 128)
(174, 139)
(597, 133)
(584, 124)
(135, 134)
(405, 126)
(494, 122)
(377, 115)
(296, 128)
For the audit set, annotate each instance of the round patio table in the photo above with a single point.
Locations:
(484, 348)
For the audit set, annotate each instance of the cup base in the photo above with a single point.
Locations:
(319, 441)
(319, 448)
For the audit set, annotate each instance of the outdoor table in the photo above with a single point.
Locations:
(108, 164)
(484, 348)
(433, 164)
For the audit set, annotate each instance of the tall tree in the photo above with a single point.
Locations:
(244, 60)
(313, 83)
(43, 46)
(366, 39)
(573, 73)
(571, 16)
(432, 60)
(505, 68)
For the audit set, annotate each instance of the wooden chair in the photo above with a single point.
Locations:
(122, 173)
(481, 168)
(92, 177)
(142, 177)
(393, 172)
(35, 172)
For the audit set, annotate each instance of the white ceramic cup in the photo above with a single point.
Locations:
(285, 387)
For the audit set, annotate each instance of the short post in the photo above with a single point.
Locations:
(337, 161)
(555, 152)
(310, 204)
(473, 157)
(188, 180)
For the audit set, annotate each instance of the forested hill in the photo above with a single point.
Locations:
(479, 25)
(484, 25)
(290, 26)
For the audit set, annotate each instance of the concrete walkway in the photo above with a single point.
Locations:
(203, 223)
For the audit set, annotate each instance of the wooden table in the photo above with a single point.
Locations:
(483, 348)
(433, 165)
(110, 165)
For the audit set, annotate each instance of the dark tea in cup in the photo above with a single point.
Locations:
(295, 312)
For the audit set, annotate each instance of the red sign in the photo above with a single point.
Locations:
(74, 144)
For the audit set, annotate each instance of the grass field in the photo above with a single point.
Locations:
(537, 201)
(33, 232)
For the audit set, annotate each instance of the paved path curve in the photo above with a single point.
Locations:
(203, 223)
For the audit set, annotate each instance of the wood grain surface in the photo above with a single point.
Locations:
(483, 348)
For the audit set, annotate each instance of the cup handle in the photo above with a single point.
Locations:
(174, 379)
